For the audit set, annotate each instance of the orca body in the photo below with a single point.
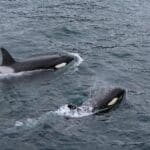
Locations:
(97, 105)
(10, 65)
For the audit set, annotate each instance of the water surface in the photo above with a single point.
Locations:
(113, 39)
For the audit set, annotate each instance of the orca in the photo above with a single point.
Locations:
(102, 103)
(10, 65)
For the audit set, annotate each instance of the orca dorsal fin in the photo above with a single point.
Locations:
(7, 59)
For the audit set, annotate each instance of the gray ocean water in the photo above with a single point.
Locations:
(113, 38)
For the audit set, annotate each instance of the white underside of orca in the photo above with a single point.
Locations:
(6, 70)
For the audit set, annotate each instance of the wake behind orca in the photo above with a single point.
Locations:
(10, 65)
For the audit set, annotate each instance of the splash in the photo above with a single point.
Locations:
(62, 111)
(78, 60)
(75, 113)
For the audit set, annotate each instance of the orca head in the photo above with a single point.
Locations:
(116, 97)
(68, 59)
(111, 99)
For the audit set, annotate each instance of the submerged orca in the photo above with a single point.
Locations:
(102, 103)
(10, 65)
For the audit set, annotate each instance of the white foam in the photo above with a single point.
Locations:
(75, 113)
(29, 123)
(18, 123)
(78, 58)
(64, 110)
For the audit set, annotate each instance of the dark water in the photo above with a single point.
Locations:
(113, 37)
